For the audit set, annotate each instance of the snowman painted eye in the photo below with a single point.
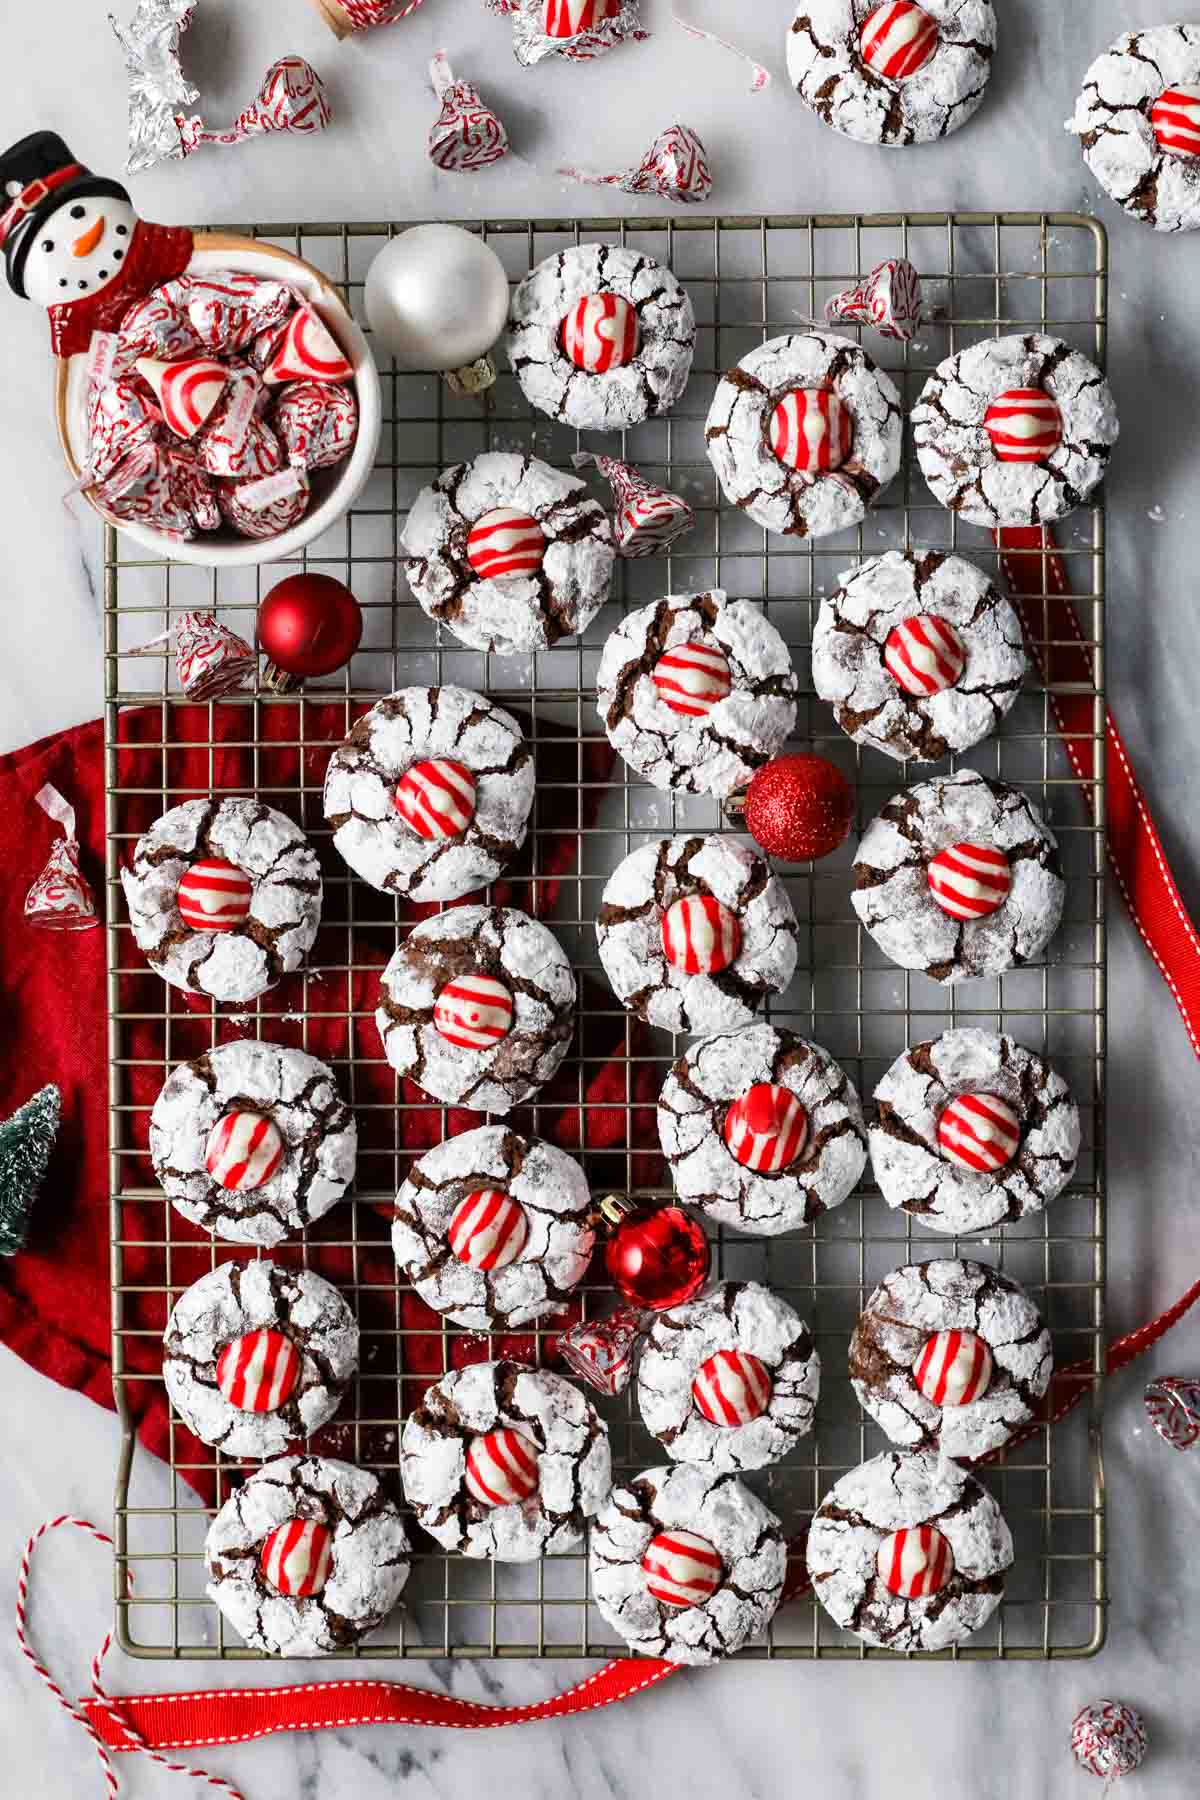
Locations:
(77, 212)
(47, 245)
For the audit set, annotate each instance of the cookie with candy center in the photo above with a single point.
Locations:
(437, 798)
(732, 1388)
(474, 1012)
(954, 1368)
(811, 430)
(600, 333)
(924, 655)
(681, 1568)
(979, 1131)
(296, 1558)
(915, 1562)
(1024, 424)
(969, 881)
(258, 1372)
(243, 1151)
(505, 541)
(767, 1129)
(502, 1468)
(1175, 117)
(692, 679)
(700, 936)
(214, 895)
(488, 1229)
(898, 39)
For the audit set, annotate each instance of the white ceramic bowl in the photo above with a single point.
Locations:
(334, 490)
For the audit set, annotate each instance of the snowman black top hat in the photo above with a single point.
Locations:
(37, 176)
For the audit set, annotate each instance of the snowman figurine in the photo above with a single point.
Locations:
(73, 243)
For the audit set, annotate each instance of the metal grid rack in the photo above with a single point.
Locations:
(985, 274)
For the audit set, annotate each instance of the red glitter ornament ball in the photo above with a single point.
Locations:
(309, 625)
(657, 1256)
(799, 808)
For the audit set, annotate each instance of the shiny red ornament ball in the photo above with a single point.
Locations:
(799, 808)
(309, 625)
(658, 1256)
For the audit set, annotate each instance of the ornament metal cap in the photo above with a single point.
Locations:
(277, 680)
(473, 378)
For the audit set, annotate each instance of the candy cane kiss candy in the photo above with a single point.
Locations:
(243, 1151)
(567, 18)
(681, 1569)
(437, 798)
(1024, 425)
(898, 39)
(700, 936)
(600, 332)
(1175, 117)
(296, 1558)
(307, 351)
(257, 1372)
(187, 392)
(767, 1129)
(969, 881)
(474, 1012)
(954, 1368)
(502, 1467)
(488, 1229)
(214, 895)
(732, 1388)
(979, 1132)
(811, 431)
(692, 679)
(924, 655)
(915, 1562)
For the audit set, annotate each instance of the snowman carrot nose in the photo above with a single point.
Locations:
(83, 246)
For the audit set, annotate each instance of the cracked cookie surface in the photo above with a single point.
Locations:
(718, 1508)
(851, 675)
(1113, 124)
(912, 1172)
(300, 1097)
(232, 1301)
(956, 454)
(553, 1194)
(522, 611)
(737, 434)
(574, 1468)
(406, 728)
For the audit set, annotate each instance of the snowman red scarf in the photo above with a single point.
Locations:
(157, 253)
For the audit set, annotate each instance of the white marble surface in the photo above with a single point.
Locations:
(846, 1732)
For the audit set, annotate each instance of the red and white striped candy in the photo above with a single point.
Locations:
(969, 881)
(898, 39)
(1024, 425)
(767, 1128)
(502, 1467)
(700, 936)
(296, 1558)
(915, 1563)
(214, 895)
(954, 1368)
(474, 1012)
(681, 1569)
(307, 351)
(692, 679)
(488, 1229)
(732, 1388)
(1175, 117)
(811, 431)
(256, 1373)
(923, 654)
(979, 1131)
(567, 18)
(187, 392)
(243, 1151)
(505, 542)
(600, 332)
(437, 798)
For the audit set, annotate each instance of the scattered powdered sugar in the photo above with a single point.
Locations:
(1112, 121)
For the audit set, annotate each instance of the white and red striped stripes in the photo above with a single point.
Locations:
(257, 1372)
(969, 881)
(600, 332)
(1024, 425)
(474, 1012)
(488, 1229)
(567, 18)
(980, 1132)
(505, 542)
(924, 654)
(700, 936)
(954, 1368)
(436, 798)
(1175, 117)
(243, 1151)
(915, 1563)
(681, 1569)
(297, 1557)
(187, 392)
(502, 1467)
(767, 1128)
(898, 39)
(811, 431)
(692, 679)
(214, 895)
(307, 351)
(732, 1388)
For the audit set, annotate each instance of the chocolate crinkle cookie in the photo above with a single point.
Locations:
(762, 1130)
(494, 1230)
(895, 73)
(505, 1461)
(950, 1357)
(601, 337)
(508, 553)
(729, 1381)
(1138, 121)
(429, 797)
(256, 1356)
(307, 1557)
(477, 1006)
(686, 1564)
(959, 877)
(805, 433)
(919, 654)
(696, 692)
(253, 1141)
(908, 1552)
(224, 897)
(972, 1130)
(695, 932)
(1015, 430)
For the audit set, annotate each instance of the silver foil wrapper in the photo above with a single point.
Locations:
(158, 87)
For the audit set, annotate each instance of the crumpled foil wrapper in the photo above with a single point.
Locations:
(158, 87)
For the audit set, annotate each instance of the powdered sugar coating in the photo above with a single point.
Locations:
(285, 907)
(957, 456)
(554, 1195)
(405, 728)
(737, 434)
(514, 613)
(641, 890)
(1112, 121)
(227, 1303)
(649, 384)
(691, 1113)
(909, 1167)
(574, 1464)
(869, 704)
(719, 752)
(370, 1556)
(894, 1491)
(827, 69)
(299, 1095)
(737, 1315)
(716, 1507)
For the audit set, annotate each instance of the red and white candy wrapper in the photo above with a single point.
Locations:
(148, 489)
(675, 168)
(1109, 1740)
(228, 310)
(307, 350)
(238, 445)
(646, 518)
(193, 489)
(1173, 1408)
(345, 16)
(262, 509)
(316, 422)
(601, 1351)
(291, 98)
(577, 29)
(760, 77)
(210, 660)
(61, 899)
(121, 422)
(889, 300)
(466, 135)
(159, 326)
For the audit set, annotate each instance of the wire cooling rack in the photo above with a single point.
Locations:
(985, 274)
